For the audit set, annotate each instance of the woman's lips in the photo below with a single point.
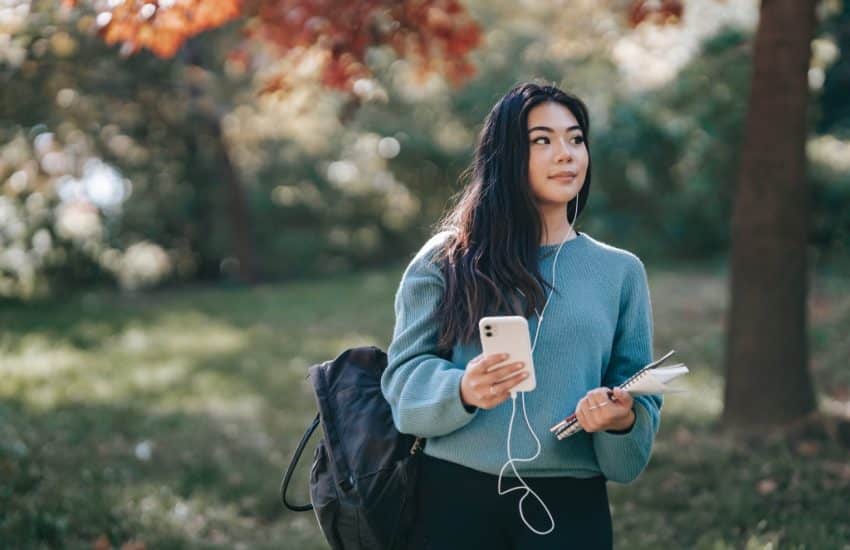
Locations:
(563, 177)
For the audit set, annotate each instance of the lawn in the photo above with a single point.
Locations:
(165, 420)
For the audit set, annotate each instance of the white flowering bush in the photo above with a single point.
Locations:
(142, 265)
(54, 203)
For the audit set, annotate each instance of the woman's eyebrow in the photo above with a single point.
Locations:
(547, 129)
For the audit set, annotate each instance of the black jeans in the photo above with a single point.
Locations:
(459, 508)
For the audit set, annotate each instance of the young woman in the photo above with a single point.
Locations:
(509, 247)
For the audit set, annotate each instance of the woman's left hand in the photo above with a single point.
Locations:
(596, 412)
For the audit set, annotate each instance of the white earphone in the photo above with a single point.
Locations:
(511, 460)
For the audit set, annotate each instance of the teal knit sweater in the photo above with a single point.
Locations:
(597, 332)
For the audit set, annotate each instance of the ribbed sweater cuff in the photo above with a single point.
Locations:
(443, 415)
(622, 457)
(458, 414)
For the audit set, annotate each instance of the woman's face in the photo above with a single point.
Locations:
(558, 157)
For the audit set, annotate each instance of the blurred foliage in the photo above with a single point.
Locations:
(829, 152)
(328, 39)
(668, 159)
(834, 46)
(110, 169)
(80, 106)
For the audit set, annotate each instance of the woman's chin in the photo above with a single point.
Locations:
(554, 202)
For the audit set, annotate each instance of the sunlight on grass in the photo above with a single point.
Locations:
(38, 358)
(186, 333)
(159, 376)
(169, 419)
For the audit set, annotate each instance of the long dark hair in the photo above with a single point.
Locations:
(495, 227)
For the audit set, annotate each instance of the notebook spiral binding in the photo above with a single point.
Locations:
(570, 425)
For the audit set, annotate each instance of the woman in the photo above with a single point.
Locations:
(509, 248)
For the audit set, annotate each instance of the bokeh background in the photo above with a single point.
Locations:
(189, 220)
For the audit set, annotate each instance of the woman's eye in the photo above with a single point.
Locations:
(538, 140)
(578, 140)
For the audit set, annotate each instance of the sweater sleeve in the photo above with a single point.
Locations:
(622, 456)
(423, 389)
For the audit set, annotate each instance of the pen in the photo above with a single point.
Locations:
(572, 418)
(561, 428)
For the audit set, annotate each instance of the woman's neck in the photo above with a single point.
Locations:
(556, 228)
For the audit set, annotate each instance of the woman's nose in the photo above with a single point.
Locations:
(563, 151)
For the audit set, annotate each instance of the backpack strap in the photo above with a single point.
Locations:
(291, 469)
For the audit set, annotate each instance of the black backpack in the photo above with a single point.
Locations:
(363, 477)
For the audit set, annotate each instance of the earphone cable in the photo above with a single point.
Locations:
(511, 460)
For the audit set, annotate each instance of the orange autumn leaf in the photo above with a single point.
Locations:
(661, 12)
(333, 35)
(162, 26)
(437, 35)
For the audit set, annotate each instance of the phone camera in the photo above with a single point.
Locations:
(487, 327)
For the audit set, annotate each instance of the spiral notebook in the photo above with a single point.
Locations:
(652, 379)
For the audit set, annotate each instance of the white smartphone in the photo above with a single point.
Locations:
(509, 334)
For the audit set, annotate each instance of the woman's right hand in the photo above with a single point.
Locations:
(486, 390)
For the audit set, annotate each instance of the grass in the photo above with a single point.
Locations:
(165, 420)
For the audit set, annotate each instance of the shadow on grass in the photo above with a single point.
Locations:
(704, 489)
(76, 472)
(88, 320)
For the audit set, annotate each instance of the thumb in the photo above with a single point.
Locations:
(622, 395)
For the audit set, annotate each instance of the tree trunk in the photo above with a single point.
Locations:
(240, 226)
(767, 377)
(207, 112)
